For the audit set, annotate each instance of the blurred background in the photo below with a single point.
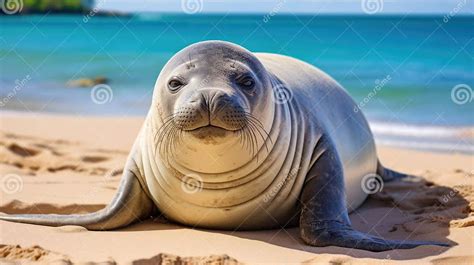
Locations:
(408, 64)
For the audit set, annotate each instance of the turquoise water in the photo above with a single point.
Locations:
(417, 59)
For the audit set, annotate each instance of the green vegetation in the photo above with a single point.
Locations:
(55, 6)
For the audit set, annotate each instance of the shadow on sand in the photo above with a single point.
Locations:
(408, 209)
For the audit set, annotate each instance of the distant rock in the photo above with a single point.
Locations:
(88, 82)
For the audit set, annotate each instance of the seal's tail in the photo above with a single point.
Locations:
(388, 174)
(129, 205)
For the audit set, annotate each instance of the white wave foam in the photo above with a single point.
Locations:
(431, 146)
(434, 138)
(420, 131)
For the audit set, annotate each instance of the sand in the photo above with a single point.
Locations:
(72, 164)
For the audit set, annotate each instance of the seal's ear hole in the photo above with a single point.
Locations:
(175, 83)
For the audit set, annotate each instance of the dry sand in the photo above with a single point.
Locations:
(69, 164)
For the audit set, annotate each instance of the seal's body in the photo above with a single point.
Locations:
(263, 193)
(236, 140)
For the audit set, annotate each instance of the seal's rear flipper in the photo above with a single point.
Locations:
(388, 174)
(129, 205)
(334, 233)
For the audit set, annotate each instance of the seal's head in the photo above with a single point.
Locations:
(211, 94)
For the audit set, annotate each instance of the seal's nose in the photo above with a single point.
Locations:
(211, 107)
(225, 111)
(217, 100)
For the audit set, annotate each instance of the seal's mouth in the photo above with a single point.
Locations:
(212, 129)
(209, 132)
(209, 128)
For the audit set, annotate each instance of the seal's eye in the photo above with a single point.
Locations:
(175, 84)
(246, 82)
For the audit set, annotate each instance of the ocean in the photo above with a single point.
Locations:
(411, 75)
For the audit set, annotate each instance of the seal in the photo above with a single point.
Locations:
(240, 140)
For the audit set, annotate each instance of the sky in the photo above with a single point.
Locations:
(293, 6)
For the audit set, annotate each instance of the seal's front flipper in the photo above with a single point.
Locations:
(324, 219)
(129, 205)
(333, 233)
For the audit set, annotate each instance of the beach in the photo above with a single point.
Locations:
(63, 163)
(77, 79)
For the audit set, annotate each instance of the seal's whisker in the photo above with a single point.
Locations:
(173, 140)
(176, 142)
(244, 137)
(259, 125)
(180, 136)
(258, 129)
(163, 133)
(252, 121)
(239, 135)
(252, 138)
(171, 136)
(165, 122)
(168, 118)
(251, 143)
(254, 141)
(247, 138)
(168, 141)
(171, 144)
